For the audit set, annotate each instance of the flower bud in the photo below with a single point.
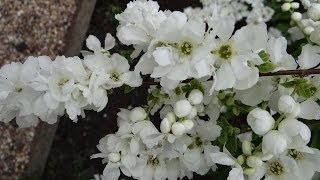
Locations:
(295, 5)
(254, 161)
(114, 157)
(308, 30)
(240, 159)
(137, 114)
(178, 129)
(171, 138)
(195, 97)
(274, 142)
(246, 147)
(260, 121)
(188, 124)
(285, 7)
(314, 11)
(165, 125)
(171, 117)
(296, 16)
(182, 108)
(286, 104)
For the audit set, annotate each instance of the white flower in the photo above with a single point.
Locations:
(94, 44)
(139, 21)
(233, 53)
(178, 129)
(260, 121)
(298, 133)
(281, 168)
(274, 142)
(314, 11)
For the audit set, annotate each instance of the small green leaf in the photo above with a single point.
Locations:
(306, 90)
(128, 89)
(264, 56)
(266, 67)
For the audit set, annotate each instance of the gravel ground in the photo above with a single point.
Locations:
(28, 27)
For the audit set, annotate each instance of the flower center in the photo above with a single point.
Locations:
(225, 52)
(62, 82)
(186, 48)
(276, 168)
(197, 143)
(295, 154)
(105, 53)
(18, 89)
(153, 161)
(115, 76)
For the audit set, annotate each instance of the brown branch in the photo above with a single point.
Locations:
(298, 72)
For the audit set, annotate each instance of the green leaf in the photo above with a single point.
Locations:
(264, 56)
(306, 90)
(266, 67)
(128, 89)
(223, 138)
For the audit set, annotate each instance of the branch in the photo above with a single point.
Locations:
(299, 72)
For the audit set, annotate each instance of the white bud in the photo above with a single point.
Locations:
(295, 5)
(308, 30)
(114, 157)
(314, 11)
(260, 121)
(137, 114)
(286, 104)
(240, 159)
(254, 161)
(193, 113)
(171, 117)
(246, 147)
(188, 124)
(274, 142)
(285, 6)
(296, 16)
(165, 125)
(195, 97)
(182, 108)
(178, 129)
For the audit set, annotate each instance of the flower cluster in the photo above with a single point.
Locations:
(252, 11)
(44, 89)
(221, 95)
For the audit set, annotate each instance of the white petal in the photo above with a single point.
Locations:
(145, 65)
(222, 158)
(309, 109)
(162, 56)
(120, 63)
(130, 34)
(225, 77)
(250, 38)
(132, 79)
(179, 71)
(109, 42)
(93, 43)
(249, 82)
(223, 27)
(236, 174)
(112, 172)
(309, 56)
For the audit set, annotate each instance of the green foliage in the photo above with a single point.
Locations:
(266, 67)
(315, 138)
(194, 84)
(301, 87)
(35, 177)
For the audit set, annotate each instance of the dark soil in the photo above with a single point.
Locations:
(74, 143)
